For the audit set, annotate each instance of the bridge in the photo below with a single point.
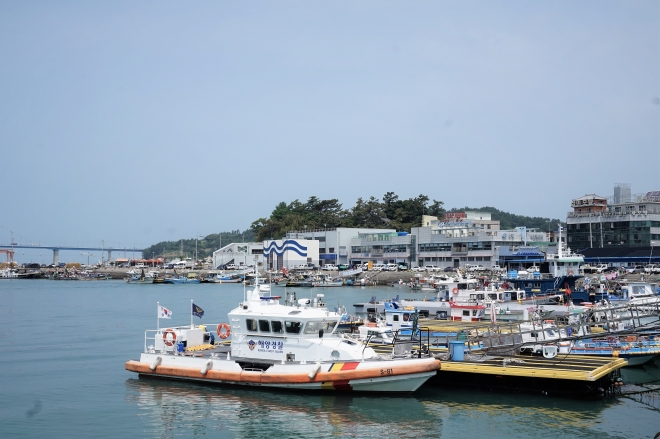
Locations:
(9, 250)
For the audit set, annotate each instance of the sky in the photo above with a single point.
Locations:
(133, 123)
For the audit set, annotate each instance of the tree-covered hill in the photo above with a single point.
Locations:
(205, 245)
(390, 213)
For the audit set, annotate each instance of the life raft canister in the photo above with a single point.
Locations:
(223, 330)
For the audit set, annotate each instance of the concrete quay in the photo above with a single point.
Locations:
(373, 277)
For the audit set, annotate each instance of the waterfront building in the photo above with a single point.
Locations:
(623, 220)
(621, 230)
(382, 247)
(459, 239)
(335, 243)
(290, 253)
(475, 238)
(240, 254)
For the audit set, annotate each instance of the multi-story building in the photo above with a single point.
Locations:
(623, 220)
(475, 238)
(459, 239)
(382, 247)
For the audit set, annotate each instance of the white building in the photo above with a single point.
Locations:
(289, 253)
(473, 238)
(382, 247)
(334, 243)
(245, 253)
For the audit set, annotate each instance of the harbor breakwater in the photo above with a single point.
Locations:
(372, 277)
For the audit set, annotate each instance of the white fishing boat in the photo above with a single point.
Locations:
(7, 273)
(139, 277)
(469, 291)
(294, 345)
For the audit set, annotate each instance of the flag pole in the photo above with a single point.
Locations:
(192, 325)
(158, 316)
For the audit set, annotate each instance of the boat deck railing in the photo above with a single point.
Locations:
(150, 335)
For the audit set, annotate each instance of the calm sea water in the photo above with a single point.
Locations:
(64, 345)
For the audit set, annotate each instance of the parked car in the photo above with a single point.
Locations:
(600, 268)
(496, 268)
(431, 268)
(418, 269)
(392, 267)
(329, 267)
(635, 270)
(474, 268)
(305, 267)
(449, 269)
(652, 268)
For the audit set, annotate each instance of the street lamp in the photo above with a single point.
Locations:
(196, 255)
(88, 255)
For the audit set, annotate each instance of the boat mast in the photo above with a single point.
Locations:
(559, 244)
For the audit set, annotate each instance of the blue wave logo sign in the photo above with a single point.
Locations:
(288, 245)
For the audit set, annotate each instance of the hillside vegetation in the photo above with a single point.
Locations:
(390, 213)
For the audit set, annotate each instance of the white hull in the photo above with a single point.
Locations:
(365, 376)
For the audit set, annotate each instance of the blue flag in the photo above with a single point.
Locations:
(197, 311)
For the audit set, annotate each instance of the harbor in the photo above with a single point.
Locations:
(87, 359)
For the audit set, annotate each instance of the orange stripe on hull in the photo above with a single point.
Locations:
(338, 379)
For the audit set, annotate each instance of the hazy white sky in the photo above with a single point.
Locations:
(138, 122)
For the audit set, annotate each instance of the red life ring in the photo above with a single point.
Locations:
(223, 334)
(167, 341)
(455, 291)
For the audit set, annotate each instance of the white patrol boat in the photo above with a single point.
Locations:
(291, 346)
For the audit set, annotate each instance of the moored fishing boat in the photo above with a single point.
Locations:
(140, 280)
(293, 346)
(219, 278)
(635, 349)
(181, 280)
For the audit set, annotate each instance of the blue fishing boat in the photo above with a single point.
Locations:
(181, 280)
(556, 276)
(636, 349)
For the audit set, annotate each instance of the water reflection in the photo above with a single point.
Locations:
(173, 408)
(648, 373)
